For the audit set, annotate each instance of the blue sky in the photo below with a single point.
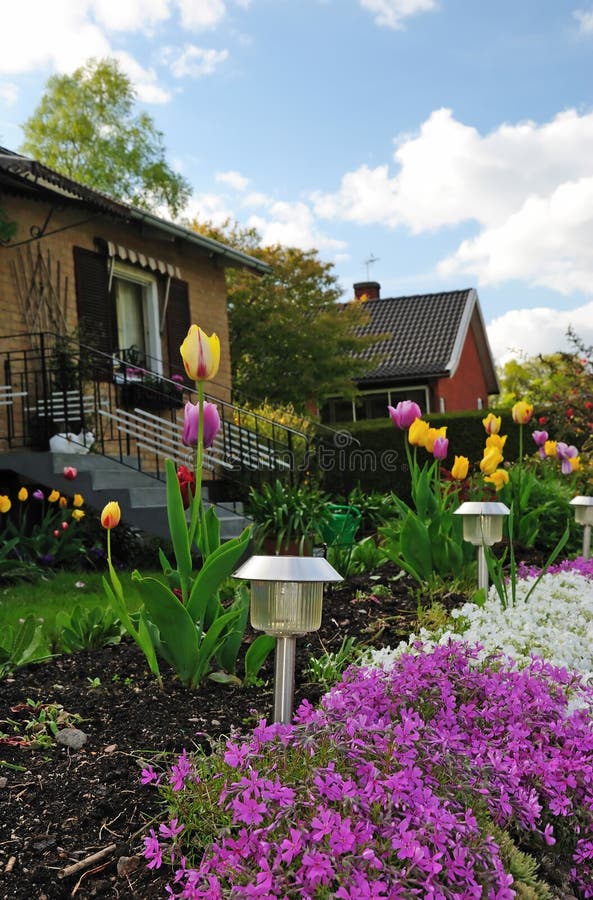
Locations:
(452, 140)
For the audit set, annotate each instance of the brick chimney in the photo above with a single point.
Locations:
(370, 290)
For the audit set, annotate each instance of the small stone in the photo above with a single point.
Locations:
(110, 748)
(126, 865)
(73, 738)
(3, 782)
(214, 722)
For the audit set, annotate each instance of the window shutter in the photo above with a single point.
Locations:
(96, 309)
(177, 325)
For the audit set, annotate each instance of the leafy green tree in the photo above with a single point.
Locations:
(87, 128)
(560, 386)
(291, 341)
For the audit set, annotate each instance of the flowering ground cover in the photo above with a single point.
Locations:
(59, 806)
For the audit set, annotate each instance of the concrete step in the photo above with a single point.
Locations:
(142, 499)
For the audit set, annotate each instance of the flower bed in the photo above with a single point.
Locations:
(423, 780)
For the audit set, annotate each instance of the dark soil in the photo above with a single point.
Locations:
(59, 806)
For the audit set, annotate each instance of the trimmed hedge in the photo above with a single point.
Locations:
(372, 454)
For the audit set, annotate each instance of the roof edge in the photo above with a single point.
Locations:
(34, 172)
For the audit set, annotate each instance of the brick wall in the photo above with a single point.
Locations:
(74, 227)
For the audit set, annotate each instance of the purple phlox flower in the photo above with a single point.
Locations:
(564, 453)
(191, 424)
(291, 846)
(171, 830)
(404, 413)
(180, 772)
(235, 754)
(316, 869)
(248, 810)
(39, 495)
(440, 448)
(177, 378)
(149, 776)
(153, 850)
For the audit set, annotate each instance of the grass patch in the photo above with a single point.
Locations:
(53, 593)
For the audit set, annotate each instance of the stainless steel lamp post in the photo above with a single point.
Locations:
(583, 513)
(286, 601)
(482, 526)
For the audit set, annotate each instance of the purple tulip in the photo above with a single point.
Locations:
(540, 438)
(404, 413)
(564, 453)
(191, 424)
(441, 447)
(39, 495)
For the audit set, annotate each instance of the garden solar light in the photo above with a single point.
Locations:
(482, 526)
(286, 601)
(583, 513)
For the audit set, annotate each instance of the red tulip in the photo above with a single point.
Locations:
(70, 473)
(187, 485)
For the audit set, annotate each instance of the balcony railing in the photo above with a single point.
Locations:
(50, 386)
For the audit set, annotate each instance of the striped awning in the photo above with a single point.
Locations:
(135, 258)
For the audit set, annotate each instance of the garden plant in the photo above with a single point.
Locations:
(448, 760)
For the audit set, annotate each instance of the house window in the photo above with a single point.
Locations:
(136, 310)
(371, 405)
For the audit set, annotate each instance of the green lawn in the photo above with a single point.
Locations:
(45, 597)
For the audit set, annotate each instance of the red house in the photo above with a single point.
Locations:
(435, 351)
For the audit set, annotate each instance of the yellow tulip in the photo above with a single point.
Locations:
(432, 434)
(111, 515)
(522, 412)
(499, 478)
(460, 468)
(23, 494)
(78, 514)
(550, 448)
(492, 423)
(78, 500)
(496, 440)
(5, 503)
(417, 432)
(491, 460)
(200, 354)
(55, 495)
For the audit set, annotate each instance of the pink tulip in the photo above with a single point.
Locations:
(191, 424)
(440, 448)
(70, 473)
(404, 413)
(39, 495)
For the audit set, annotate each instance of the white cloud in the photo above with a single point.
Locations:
(193, 61)
(522, 333)
(208, 208)
(528, 188)
(293, 225)
(392, 13)
(131, 15)
(200, 14)
(8, 92)
(234, 180)
(65, 37)
(585, 20)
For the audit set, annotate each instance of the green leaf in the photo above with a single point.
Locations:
(216, 569)
(211, 523)
(257, 654)
(178, 526)
(229, 649)
(176, 629)
(209, 646)
(416, 547)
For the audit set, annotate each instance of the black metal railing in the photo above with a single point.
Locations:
(51, 385)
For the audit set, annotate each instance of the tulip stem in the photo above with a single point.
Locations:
(197, 507)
